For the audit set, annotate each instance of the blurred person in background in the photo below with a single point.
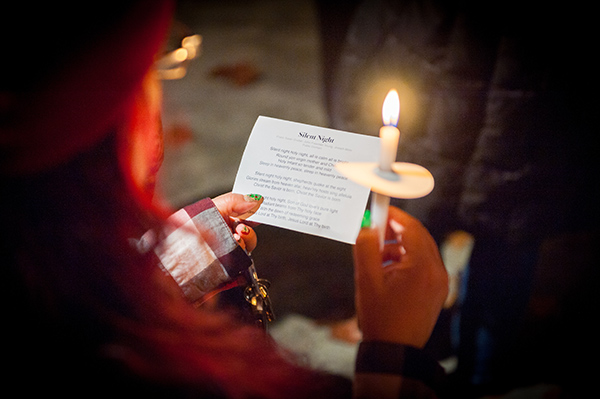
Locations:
(497, 102)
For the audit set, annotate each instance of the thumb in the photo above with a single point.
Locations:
(237, 205)
(368, 272)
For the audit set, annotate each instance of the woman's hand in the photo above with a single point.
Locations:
(399, 302)
(235, 208)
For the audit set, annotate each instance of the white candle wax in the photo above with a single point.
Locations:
(389, 136)
(380, 203)
(379, 214)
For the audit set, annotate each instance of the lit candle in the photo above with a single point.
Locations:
(389, 133)
(389, 136)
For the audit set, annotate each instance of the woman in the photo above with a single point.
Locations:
(90, 311)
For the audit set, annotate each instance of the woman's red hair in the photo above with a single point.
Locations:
(84, 307)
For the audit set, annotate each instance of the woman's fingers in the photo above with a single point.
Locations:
(236, 208)
(247, 235)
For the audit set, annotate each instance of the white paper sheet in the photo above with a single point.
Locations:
(292, 165)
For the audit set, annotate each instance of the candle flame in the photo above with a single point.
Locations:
(390, 111)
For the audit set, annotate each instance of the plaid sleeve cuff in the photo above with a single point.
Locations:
(198, 250)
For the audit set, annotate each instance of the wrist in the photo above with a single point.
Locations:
(414, 339)
(382, 357)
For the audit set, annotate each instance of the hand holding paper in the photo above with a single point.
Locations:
(292, 166)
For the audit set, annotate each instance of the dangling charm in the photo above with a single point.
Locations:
(257, 295)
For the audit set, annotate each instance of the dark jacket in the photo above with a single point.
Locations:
(496, 101)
